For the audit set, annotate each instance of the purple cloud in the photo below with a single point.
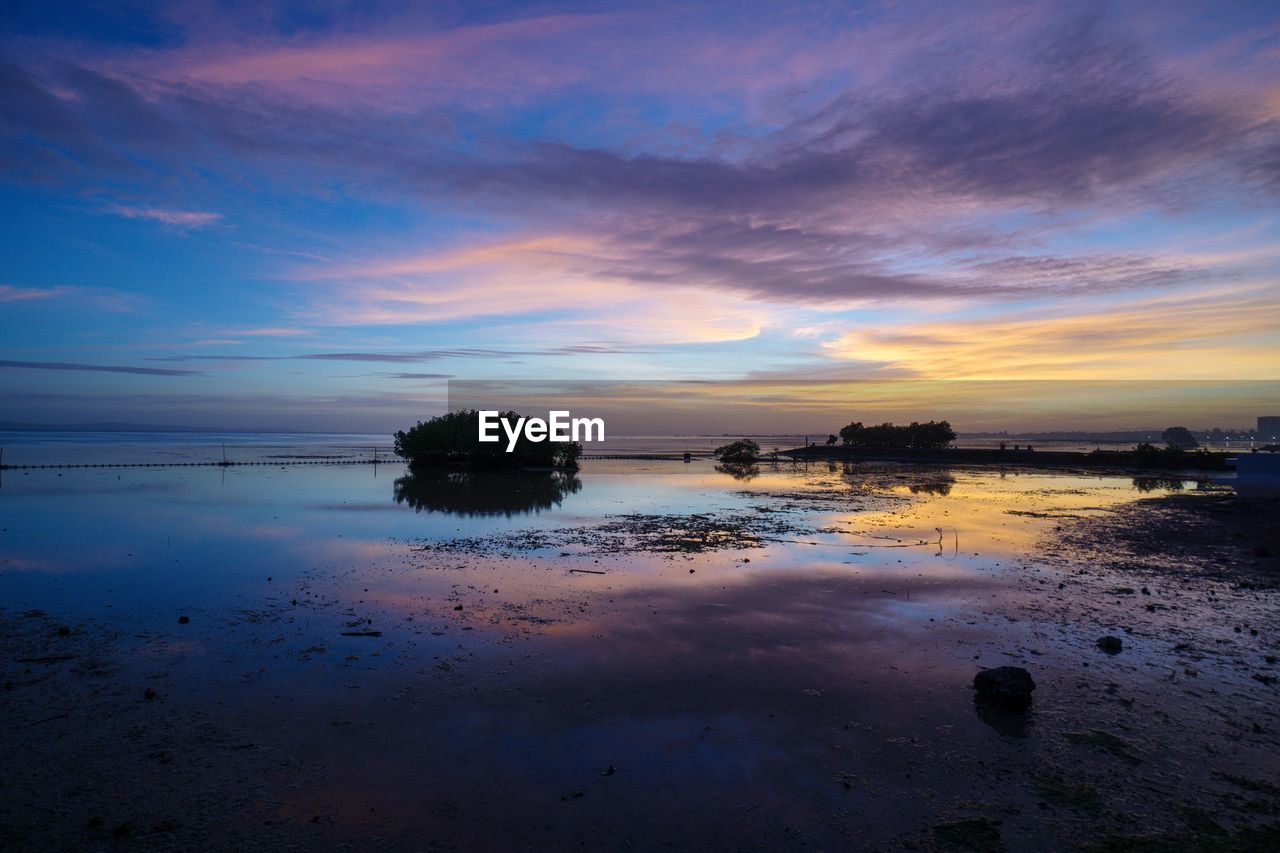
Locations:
(96, 368)
(904, 189)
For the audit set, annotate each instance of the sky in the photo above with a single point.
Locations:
(311, 216)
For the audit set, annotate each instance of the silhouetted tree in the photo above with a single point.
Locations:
(1149, 456)
(745, 450)
(1179, 437)
(454, 439)
(927, 436)
(849, 434)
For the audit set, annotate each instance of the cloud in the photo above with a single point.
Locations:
(1231, 336)
(903, 193)
(650, 185)
(1080, 109)
(96, 368)
(65, 120)
(413, 356)
(10, 293)
(497, 61)
(720, 282)
(268, 332)
(556, 278)
(175, 218)
(399, 357)
(110, 300)
(286, 410)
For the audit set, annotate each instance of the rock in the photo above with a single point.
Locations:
(1009, 686)
(64, 631)
(1262, 551)
(148, 694)
(183, 620)
(1111, 645)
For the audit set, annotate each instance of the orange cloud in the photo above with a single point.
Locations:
(1214, 334)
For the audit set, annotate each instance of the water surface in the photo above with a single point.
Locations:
(774, 652)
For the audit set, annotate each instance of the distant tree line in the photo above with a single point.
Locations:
(931, 435)
(1218, 434)
(1147, 455)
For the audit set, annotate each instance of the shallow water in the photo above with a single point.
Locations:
(778, 656)
(169, 538)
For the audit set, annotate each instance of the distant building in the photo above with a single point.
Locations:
(1269, 428)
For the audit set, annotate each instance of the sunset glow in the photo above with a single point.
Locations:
(279, 217)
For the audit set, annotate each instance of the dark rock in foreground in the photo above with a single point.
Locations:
(1010, 686)
(1110, 645)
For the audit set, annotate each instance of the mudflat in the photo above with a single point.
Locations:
(645, 655)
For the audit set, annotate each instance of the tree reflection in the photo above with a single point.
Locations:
(485, 492)
(740, 470)
(1152, 484)
(940, 487)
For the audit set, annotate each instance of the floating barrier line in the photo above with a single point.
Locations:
(218, 464)
(284, 462)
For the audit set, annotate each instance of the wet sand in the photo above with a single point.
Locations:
(782, 661)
